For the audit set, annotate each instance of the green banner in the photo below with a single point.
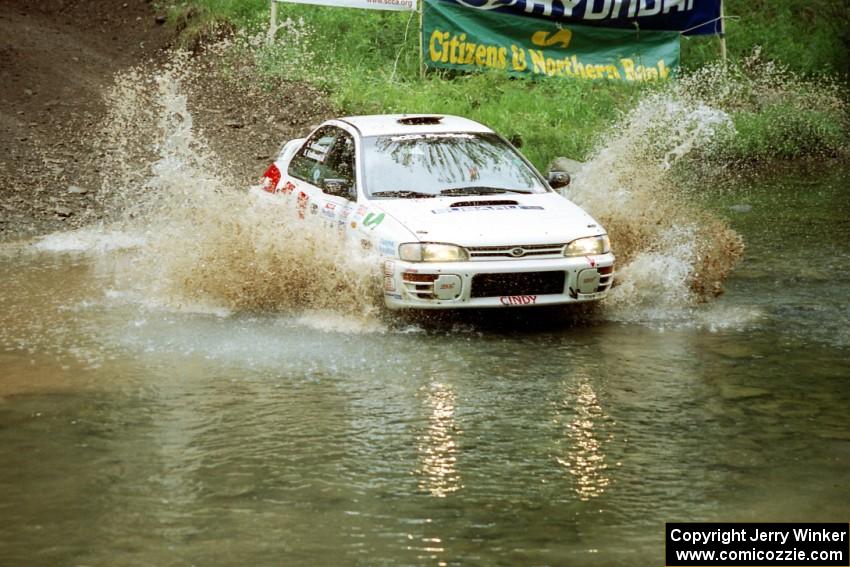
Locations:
(457, 37)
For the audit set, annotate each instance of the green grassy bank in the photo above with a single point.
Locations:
(367, 62)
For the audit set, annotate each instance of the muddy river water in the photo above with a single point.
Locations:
(135, 435)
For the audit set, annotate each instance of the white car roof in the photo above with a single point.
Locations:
(389, 125)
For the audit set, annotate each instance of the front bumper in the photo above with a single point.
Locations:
(502, 283)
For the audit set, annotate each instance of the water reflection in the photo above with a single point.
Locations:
(438, 446)
(584, 457)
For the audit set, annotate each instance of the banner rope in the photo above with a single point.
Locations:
(683, 32)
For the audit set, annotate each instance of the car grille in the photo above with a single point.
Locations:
(516, 252)
(522, 283)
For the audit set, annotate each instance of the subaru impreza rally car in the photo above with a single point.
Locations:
(457, 216)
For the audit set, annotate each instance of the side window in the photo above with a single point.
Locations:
(309, 163)
(340, 170)
(327, 161)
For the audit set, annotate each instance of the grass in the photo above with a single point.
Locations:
(808, 37)
(368, 63)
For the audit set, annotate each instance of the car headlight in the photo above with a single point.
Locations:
(430, 252)
(588, 246)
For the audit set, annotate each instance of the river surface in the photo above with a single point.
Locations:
(135, 435)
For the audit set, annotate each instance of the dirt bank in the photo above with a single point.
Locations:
(56, 59)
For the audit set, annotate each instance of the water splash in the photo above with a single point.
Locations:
(671, 253)
(89, 240)
(208, 243)
(779, 113)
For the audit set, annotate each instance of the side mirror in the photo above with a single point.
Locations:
(340, 188)
(558, 179)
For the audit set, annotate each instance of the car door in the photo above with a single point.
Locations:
(323, 174)
(339, 185)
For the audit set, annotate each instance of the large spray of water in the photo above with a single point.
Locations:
(208, 243)
(671, 253)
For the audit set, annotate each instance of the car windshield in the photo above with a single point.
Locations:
(428, 165)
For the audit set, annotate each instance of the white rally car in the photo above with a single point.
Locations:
(458, 217)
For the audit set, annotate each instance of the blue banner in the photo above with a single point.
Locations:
(691, 17)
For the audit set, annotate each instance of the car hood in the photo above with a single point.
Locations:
(493, 220)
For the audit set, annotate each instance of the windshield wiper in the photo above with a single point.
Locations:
(481, 190)
(403, 194)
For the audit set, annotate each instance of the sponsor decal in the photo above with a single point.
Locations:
(302, 204)
(559, 37)
(488, 208)
(361, 210)
(387, 247)
(591, 296)
(389, 272)
(288, 187)
(518, 299)
(353, 224)
(591, 260)
(372, 220)
(328, 210)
